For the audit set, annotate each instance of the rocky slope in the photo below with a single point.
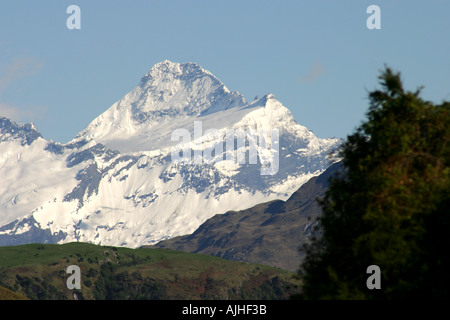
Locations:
(175, 151)
(270, 233)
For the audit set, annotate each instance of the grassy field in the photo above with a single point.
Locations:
(38, 271)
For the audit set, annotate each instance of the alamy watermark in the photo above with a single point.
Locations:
(374, 281)
(74, 281)
(374, 20)
(239, 146)
(74, 20)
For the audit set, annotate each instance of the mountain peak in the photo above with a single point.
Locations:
(169, 90)
(168, 71)
(119, 182)
(25, 133)
(172, 88)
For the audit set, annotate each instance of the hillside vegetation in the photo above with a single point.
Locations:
(6, 294)
(38, 271)
(390, 207)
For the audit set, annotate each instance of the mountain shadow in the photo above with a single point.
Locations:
(270, 233)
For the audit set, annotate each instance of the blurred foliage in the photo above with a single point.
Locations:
(389, 206)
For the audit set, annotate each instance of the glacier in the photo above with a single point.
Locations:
(116, 182)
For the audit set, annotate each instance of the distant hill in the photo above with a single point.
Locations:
(270, 233)
(38, 272)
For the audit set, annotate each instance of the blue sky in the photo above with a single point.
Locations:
(317, 57)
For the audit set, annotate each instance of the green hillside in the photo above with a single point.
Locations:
(38, 271)
(6, 294)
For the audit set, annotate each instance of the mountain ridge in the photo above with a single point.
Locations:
(125, 189)
(270, 233)
(169, 90)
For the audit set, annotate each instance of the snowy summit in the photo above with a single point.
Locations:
(116, 182)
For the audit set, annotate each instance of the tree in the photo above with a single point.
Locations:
(389, 206)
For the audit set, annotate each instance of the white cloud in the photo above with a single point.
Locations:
(316, 71)
(21, 113)
(9, 111)
(19, 68)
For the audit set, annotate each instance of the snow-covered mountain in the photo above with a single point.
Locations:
(173, 152)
